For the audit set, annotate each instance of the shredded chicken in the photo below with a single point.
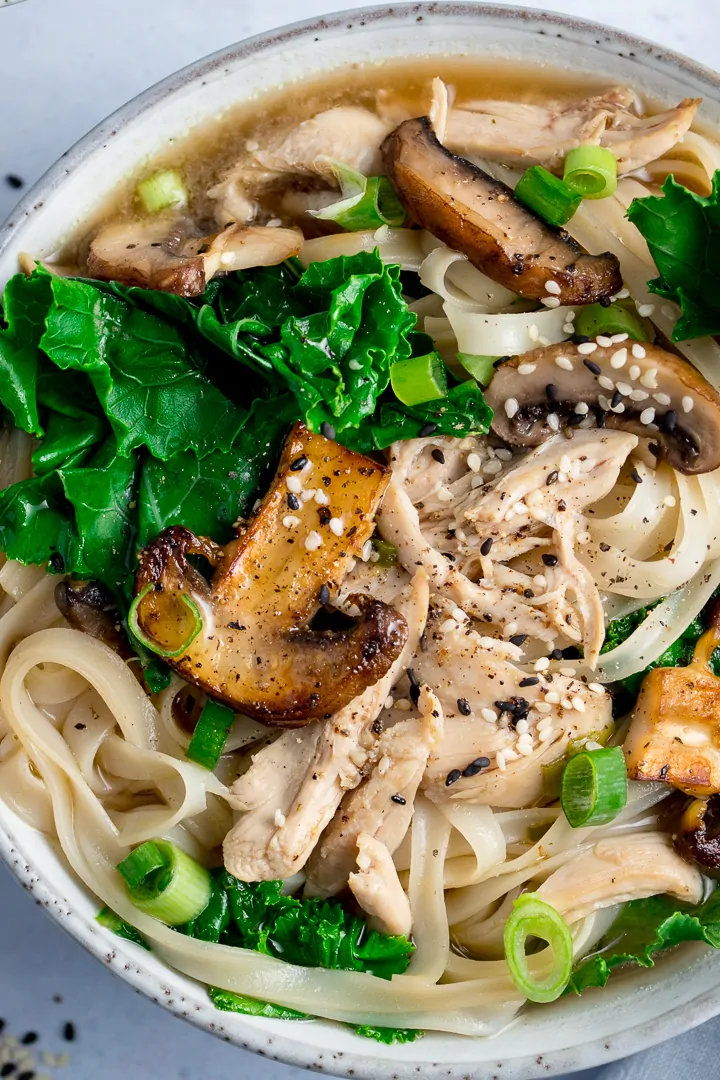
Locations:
(377, 888)
(382, 806)
(618, 869)
(341, 753)
(499, 731)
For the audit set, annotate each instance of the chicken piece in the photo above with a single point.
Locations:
(377, 888)
(517, 132)
(479, 216)
(485, 698)
(382, 806)
(674, 733)
(618, 869)
(158, 255)
(246, 638)
(347, 133)
(340, 755)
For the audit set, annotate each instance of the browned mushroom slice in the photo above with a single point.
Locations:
(257, 650)
(639, 388)
(698, 837)
(157, 255)
(88, 606)
(480, 216)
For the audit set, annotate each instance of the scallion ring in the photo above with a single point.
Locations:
(618, 318)
(162, 190)
(367, 202)
(142, 637)
(419, 379)
(533, 918)
(591, 171)
(482, 368)
(594, 787)
(549, 196)
(166, 883)
(210, 734)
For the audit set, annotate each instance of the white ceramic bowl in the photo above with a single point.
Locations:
(635, 1010)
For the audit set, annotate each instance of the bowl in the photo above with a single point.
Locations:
(636, 1010)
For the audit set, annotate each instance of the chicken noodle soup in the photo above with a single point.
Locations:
(359, 514)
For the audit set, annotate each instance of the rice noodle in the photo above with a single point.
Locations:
(486, 334)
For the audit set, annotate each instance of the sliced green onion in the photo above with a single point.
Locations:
(591, 171)
(210, 734)
(239, 1003)
(547, 195)
(134, 624)
(533, 918)
(386, 552)
(111, 921)
(482, 368)
(166, 883)
(162, 190)
(552, 773)
(365, 203)
(594, 786)
(419, 379)
(618, 318)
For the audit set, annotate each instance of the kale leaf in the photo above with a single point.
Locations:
(387, 1035)
(682, 230)
(24, 306)
(240, 1003)
(111, 921)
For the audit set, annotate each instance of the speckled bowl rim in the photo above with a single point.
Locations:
(123, 960)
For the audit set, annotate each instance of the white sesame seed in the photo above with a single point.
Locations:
(511, 407)
(522, 727)
(553, 421)
(545, 735)
(582, 408)
(542, 707)
(403, 704)
(290, 521)
(544, 723)
(624, 388)
(562, 477)
(638, 351)
(490, 715)
(503, 453)
(617, 360)
(649, 378)
(445, 494)
(461, 535)
(578, 704)
(525, 749)
(552, 697)
(639, 395)
(587, 348)
(367, 551)
(526, 369)
(520, 507)
(564, 363)
(553, 287)
(605, 382)
(389, 700)
(540, 581)
(583, 538)
(634, 371)
(313, 541)
(687, 404)
(550, 301)
(458, 615)
(477, 481)
(533, 332)
(669, 500)
(645, 310)
(447, 626)
(603, 402)
(354, 365)
(500, 760)
(321, 498)
(279, 818)
(491, 451)
(647, 416)
(569, 672)
(568, 328)
(294, 484)
(565, 463)
(510, 755)
(336, 526)
(618, 338)
(662, 399)
(566, 704)
(596, 688)
(308, 495)
(511, 628)
(542, 663)
(474, 461)
(603, 342)
(492, 468)
(623, 294)
(571, 315)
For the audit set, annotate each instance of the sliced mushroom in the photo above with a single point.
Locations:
(639, 388)
(256, 650)
(88, 606)
(157, 255)
(698, 837)
(479, 216)
(674, 734)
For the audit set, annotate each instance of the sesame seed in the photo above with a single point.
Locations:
(452, 777)
(313, 541)
(568, 328)
(669, 500)
(279, 818)
(526, 369)
(486, 546)
(582, 408)
(354, 365)
(592, 366)
(489, 714)
(476, 482)
(635, 475)
(321, 498)
(522, 727)
(464, 706)
(603, 342)
(639, 395)
(290, 521)
(531, 680)
(367, 551)
(324, 595)
(617, 338)
(542, 707)
(552, 697)
(308, 495)
(617, 360)
(403, 704)
(687, 404)
(500, 761)
(336, 526)
(447, 626)
(647, 416)
(544, 736)
(606, 383)
(578, 704)
(544, 723)
(553, 421)
(669, 421)
(550, 301)
(634, 371)
(476, 766)
(525, 749)
(552, 287)
(645, 310)
(294, 484)
(492, 468)
(437, 455)
(327, 430)
(511, 407)
(540, 581)
(566, 704)
(649, 378)
(398, 799)
(596, 688)
(427, 429)
(583, 538)
(623, 294)
(298, 463)
(542, 663)
(474, 461)
(662, 399)
(564, 363)
(587, 347)
(624, 388)
(518, 639)
(445, 494)
(293, 501)
(639, 351)
(533, 332)
(550, 560)
(510, 755)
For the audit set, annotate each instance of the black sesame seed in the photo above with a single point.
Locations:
(57, 562)
(635, 475)
(2, 1025)
(600, 417)
(80, 727)
(556, 654)
(616, 399)
(532, 680)
(550, 560)
(551, 392)
(552, 477)
(293, 501)
(14, 181)
(69, 1032)
(505, 706)
(580, 339)
(414, 686)
(605, 301)
(327, 430)
(669, 421)
(29, 1037)
(438, 456)
(472, 769)
(486, 546)
(298, 463)
(427, 430)
(27, 1075)
(449, 556)
(8, 1068)
(562, 506)
(604, 547)
(482, 762)
(324, 595)
(528, 594)
(412, 677)
(452, 777)
(398, 799)
(464, 706)
(518, 639)
(592, 366)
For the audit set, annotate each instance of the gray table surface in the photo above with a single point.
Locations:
(65, 64)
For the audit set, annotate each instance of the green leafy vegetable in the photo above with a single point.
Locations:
(645, 928)
(111, 921)
(239, 1003)
(389, 1036)
(24, 305)
(683, 233)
